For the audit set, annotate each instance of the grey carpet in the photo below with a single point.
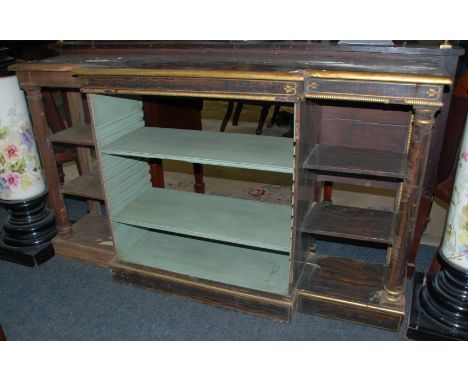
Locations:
(70, 300)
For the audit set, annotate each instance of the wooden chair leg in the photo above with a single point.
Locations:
(227, 116)
(274, 117)
(157, 173)
(235, 117)
(199, 185)
(327, 191)
(2, 334)
(61, 173)
(263, 116)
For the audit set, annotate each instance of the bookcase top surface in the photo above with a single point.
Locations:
(281, 63)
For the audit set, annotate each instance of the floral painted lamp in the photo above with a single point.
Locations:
(30, 226)
(440, 303)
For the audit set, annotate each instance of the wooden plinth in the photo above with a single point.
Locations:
(348, 290)
(90, 241)
(222, 295)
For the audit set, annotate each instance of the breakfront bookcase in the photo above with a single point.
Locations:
(366, 120)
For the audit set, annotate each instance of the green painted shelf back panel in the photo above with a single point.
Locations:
(239, 221)
(244, 267)
(221, 149)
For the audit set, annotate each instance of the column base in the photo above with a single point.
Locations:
(423, 323)
(28, 231)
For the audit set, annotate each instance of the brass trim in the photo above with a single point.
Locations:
(429, 92)
(418, 102)
(347, 98)
(392, 293)
(191, 73)
(424, 121)
(185, 94)
(347, 302)
(119, 266)
(392, 77)
(356, 321)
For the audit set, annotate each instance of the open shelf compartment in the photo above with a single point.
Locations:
(221, 149)
(234, 265)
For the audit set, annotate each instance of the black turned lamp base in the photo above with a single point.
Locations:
(439, 306)
(28, 231)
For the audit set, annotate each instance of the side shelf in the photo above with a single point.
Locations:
(76, 135)
(357, 161)
(350, 223)
(86, 186)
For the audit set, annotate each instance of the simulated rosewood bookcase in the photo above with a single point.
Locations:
(368, 125)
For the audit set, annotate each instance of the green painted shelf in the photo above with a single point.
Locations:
(244, 267)
(221, 149)
(238, 221)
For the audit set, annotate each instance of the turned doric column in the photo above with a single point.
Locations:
(41, 130)
(419, 143)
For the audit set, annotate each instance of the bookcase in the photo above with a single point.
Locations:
(367, 116)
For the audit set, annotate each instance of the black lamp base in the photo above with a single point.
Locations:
(30, 256)
(28, 231)
(439, 305)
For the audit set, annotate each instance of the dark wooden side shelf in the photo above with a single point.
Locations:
(348, 290)
(86, 186)
(350, 223)
(75, 135)
(357, 161)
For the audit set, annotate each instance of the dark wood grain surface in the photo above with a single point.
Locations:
(350, 222)
(347, 289)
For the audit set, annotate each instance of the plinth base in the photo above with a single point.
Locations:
(421, 326)
(27, 231)
(30, 256)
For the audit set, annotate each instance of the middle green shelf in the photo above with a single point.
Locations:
(238, 221)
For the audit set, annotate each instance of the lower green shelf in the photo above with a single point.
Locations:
(240, 266)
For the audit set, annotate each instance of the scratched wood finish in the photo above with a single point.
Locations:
(350, 222)
(349, 290)
(90, 241)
